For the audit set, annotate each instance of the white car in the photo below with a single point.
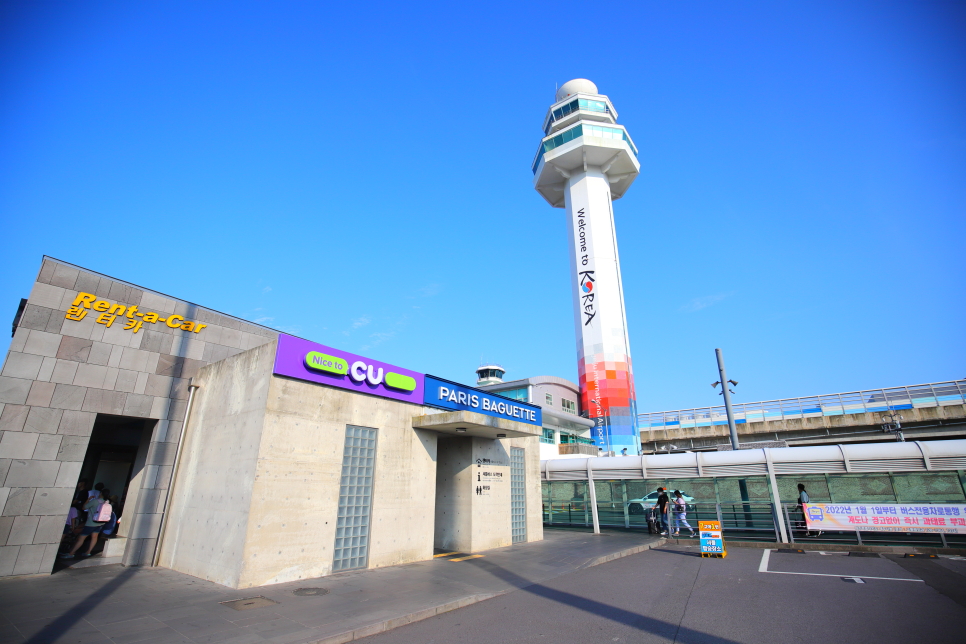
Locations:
(642, 505)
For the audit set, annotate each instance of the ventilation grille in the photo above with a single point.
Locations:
(888, 465)
(569, 475)
(746, 469)
(948, 463)
(622, 473)
(809, 466)
(671, 472)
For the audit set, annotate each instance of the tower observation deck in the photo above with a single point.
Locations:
(585, 161)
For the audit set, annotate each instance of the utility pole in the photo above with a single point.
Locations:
(727, 398)
(726, 392)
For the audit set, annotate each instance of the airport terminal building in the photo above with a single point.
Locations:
(244, 455)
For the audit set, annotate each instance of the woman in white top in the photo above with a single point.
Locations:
(680, 510)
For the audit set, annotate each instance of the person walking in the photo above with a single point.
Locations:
(802, 500)
(662, 508)
(680, 509)
(92, 527)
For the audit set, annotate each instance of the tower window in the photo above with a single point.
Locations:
(549, 399)
(568, 405)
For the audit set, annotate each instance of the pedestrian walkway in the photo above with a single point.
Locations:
(159, 606)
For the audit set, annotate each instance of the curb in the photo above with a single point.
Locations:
(623, 553)
(389, 624)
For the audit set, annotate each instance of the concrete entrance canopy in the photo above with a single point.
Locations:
(475, 425)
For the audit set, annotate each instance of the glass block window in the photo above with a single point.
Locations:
(569, 405)
(518, 494)
(549, 398)
(355, 499)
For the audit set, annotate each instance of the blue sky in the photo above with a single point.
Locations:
(360, 176)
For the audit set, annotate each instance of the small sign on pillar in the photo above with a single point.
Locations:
(712, 541)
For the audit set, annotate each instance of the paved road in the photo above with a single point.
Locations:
(115, 605)
(672, 595)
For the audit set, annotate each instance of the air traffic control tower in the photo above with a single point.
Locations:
(585, 161)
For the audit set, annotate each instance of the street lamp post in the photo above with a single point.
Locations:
(726, 392)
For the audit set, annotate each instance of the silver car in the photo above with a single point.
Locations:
(642, 505)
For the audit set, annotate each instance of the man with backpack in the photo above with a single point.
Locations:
(98, 514)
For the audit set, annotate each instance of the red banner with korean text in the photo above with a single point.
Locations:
(887, 517)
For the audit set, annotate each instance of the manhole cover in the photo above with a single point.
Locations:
(310, 592)
(249, 603)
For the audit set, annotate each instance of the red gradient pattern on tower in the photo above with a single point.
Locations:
(610, 383)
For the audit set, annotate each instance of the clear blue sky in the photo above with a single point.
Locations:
(359, 174)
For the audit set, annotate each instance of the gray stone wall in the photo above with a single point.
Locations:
(60, 373)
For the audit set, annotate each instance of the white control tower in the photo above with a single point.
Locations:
(585, 161)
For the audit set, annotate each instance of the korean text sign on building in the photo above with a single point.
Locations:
(887, 517)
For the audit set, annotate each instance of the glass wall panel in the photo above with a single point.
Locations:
(815, 485)
(929, 487)
(861, 488)
(567, 498)
(521, 394)
(703, 490)
(638, 489)
(729, 489)
(610, 503)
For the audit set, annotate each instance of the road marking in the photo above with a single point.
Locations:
(465, 558)
(444, 554)
(857, 580)
(766, 555)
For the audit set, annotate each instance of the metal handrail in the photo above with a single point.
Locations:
(933, 394)
(759, 519)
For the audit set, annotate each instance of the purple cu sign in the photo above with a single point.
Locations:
(304, 360)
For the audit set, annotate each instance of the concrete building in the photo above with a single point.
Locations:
(566, 432)
(244, 455)
(585, 161)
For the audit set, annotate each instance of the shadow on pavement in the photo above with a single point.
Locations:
(613, 613)
(53, 631)
(942, 580)
(680, 553)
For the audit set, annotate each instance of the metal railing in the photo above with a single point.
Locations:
(747, 521)
(742, 521)
(934, 394)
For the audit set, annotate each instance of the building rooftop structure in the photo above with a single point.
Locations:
(566, 431)
(930, 410)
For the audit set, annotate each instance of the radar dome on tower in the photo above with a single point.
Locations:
(576, 86)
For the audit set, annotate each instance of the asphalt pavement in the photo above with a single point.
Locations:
(671, 594)
(111, 604)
